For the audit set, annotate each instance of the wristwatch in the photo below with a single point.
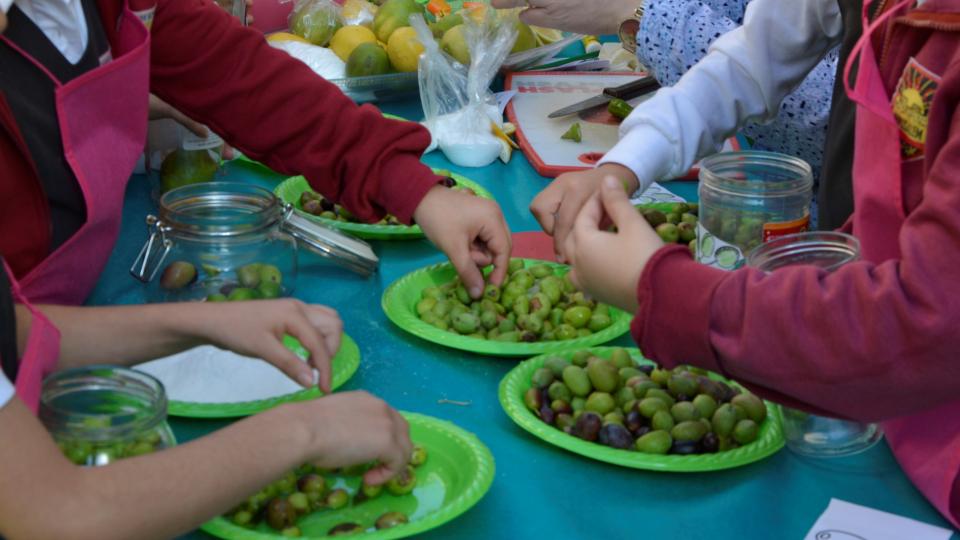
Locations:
(629, 28)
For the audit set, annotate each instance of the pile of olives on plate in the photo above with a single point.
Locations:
(94, 453)
(677, 226)
(532, 304)
(253, 281)
(308, 489)
(316, 204)
(620, 403)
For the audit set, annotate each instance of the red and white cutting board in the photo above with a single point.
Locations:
(539, 93)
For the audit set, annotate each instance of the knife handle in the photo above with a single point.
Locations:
(639, 87)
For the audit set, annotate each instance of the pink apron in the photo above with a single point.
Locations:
(103, 125)
(927, 444)
(39, 358)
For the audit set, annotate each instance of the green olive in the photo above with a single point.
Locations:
(216, 297)
(178, 275)
(565, 332)
(556, 364)
(662, 420)
(403, 483)
(746, 431)
(691, 430)
(603, 375)
(558, 390)
(269, 289)
(419, 456)
(299, 502)
(577, 316)
(391, 519)
(243, 293)
(649, 406)
(724, 419)
(270, 273)
(706, 405)
(621, 358)
(291, 532)
(249, 275)
(466, 323)
(345, 529)
(753, 406)
(577, 381)
(542, 377)
(654, 442)
(600, 403)
(514, 265)
(668, 232)
(426, 305)
(599, 322)
(491, 292)
(684, 411)
(337, 499)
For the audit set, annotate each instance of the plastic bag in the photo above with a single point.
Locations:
(358, 13)
(457, 103)
(315, 20)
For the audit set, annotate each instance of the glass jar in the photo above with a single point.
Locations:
(99, 414)
(747, 198)
(810, 434)
(234, 241)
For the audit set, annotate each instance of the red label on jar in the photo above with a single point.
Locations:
(783, 228)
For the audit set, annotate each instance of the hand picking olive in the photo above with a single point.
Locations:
(621, 404)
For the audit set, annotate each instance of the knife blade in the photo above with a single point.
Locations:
(632, 89)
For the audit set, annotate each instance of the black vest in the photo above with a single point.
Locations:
(30, 94)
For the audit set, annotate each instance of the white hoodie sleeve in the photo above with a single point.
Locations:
(745, 75)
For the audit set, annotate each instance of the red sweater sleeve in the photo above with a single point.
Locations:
(277, 110)
(868, 342)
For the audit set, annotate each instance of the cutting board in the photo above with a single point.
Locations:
(541, 92)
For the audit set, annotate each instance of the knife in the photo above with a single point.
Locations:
(632, 89)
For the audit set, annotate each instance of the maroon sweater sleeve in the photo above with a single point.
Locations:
(868, 342)
(276, 110)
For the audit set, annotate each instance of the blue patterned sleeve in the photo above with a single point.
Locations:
(675, 34)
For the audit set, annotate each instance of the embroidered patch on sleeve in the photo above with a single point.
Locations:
(911, 107)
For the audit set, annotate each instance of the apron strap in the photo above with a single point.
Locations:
(868, 29)
(31, 59)
(9, 359)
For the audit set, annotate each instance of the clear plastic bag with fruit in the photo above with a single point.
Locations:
(457, 103)
(315, 20)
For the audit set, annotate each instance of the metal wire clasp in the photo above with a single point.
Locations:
(157, 247)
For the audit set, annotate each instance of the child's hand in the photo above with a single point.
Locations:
(607, 265)
(557, 206)
(470, 230)
(257, 328)
(349, 428)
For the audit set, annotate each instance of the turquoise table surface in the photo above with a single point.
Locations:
(540, 491)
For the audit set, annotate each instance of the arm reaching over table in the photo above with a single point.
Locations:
(276, 110)
(744, 77)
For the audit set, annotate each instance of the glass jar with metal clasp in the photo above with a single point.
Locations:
(234, 241)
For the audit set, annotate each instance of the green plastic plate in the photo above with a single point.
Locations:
(457, 474)
(401, 297)
(344, 364)
(290, 189)
(517, 381)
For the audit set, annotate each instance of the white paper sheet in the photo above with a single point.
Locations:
(847, 521)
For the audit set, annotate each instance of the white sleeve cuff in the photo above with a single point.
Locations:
(5, 5)
(644, 151)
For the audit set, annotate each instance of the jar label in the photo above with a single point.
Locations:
(773, 231)
(713, 251)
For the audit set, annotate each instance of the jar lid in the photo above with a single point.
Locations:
(828, 250)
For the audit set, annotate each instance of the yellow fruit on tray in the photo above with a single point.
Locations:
(526, 39)
(368, 59)
(315, 24)
(286, 36)
(546, 36)
(348, 38)
(394, 14)
(404, 49)
(454, 43)
(358, 12)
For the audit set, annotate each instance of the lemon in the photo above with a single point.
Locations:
(454, 43)
(546, 36)
(526, 39)
(394, 14)
(404, 49)
(286, 36)
(358, 12)
(348, 38)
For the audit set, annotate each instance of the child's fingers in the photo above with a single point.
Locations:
(289, 363)
(617, 204)
(313, 341)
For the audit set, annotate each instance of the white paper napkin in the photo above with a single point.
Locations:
(847, 521)
(210, 375)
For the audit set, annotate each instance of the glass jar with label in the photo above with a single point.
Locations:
(234, 241)
(747, 198)
(810, 434)
(99, 414)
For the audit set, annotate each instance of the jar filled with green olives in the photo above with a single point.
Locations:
(223, 241)
(99, 414)
(748, 198)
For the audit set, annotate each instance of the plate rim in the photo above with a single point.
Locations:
(486, 467)
(373, 231)
(770, 441)
(348, 356)
(422, 330)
